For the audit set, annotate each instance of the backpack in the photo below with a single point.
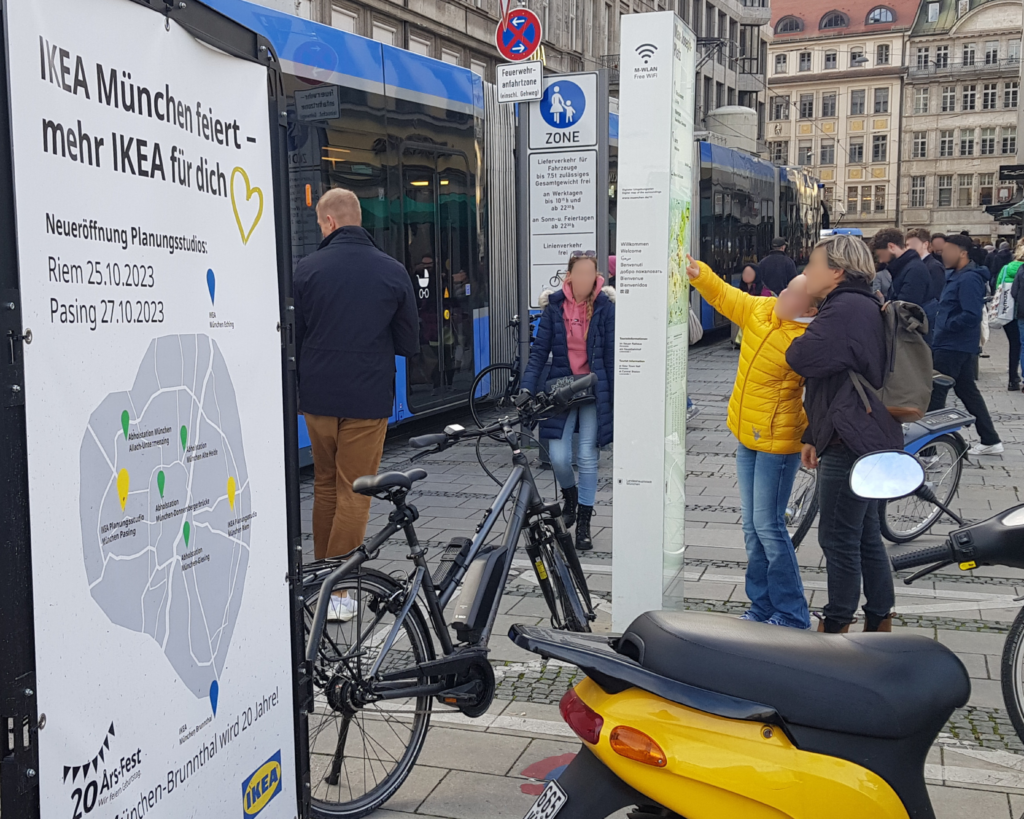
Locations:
(907, 383)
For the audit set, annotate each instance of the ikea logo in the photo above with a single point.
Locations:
(262, 786)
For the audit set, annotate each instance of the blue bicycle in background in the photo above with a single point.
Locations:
(936, 442)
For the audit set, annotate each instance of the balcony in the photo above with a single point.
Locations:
(611, 62)
(979, 67)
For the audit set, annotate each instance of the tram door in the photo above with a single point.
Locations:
(438, 216)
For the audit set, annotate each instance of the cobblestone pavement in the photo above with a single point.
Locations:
(976, 768)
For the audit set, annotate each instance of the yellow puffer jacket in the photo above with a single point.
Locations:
(766, 411)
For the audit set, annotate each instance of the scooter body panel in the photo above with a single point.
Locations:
(718, 767)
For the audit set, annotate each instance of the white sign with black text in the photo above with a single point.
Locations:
(520, 82)
(153, 404)
(563, 185)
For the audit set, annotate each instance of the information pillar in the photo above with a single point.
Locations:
(656, 103)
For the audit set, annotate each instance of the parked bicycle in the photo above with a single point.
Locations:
(373, 679)
(936, 442)
(496, 386)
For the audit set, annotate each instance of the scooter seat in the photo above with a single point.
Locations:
(873, 685)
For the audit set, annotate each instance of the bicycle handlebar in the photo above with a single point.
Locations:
(563, 395)
(423, 441)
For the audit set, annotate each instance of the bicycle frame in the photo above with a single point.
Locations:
(528, 506)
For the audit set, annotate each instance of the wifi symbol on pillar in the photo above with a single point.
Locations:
(646, 51)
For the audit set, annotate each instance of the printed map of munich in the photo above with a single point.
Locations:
(165, 506)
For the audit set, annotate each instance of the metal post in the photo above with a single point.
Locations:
(523, 229)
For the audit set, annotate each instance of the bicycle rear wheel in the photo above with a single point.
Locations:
(361, 753)
(802, 508)
(494, 387)
(904, 519)
(1012, 674)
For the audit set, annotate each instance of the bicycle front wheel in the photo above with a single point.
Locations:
(361, 752)
(802, 508)
(1013, 674)
(904, 519)
(494, 387)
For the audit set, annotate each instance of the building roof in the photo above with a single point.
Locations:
(947, 16)
(841, 18)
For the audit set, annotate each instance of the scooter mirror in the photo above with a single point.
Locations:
(886, 475)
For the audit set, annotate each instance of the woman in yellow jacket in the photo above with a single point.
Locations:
(766, 414)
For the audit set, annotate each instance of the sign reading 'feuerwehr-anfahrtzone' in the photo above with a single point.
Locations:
(520, 82)
(147, 251)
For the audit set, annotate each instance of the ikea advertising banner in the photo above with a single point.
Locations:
(149, 287)
(655, 214)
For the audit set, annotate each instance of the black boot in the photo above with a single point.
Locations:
(571, 496)
(583, 541)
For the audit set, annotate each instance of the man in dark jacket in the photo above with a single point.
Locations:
(998, 260)
(910, 278)
(777, 269)
(355, 310)
(957, 340)
(919, 240)
(846, 337)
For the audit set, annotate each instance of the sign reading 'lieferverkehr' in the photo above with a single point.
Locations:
(520, 82)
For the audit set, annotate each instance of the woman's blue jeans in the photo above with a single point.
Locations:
(560, 450)
(773, 584)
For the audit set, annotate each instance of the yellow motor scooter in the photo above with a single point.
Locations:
(699, 716)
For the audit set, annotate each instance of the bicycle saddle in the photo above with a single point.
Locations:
(372, 484)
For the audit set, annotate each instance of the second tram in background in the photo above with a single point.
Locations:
(430, 153)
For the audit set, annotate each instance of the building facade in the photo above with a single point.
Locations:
(835, 83)
(960, 114)
(579, 35)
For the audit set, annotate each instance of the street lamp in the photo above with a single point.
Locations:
(858, 61)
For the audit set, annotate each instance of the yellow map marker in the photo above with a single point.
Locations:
(122, 487)
(231, 492)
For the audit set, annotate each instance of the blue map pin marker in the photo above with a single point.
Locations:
(214, 688)
(211, 282)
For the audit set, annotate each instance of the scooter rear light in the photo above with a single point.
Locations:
(579, 716)
(636, 745)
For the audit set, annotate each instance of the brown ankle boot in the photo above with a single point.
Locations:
(874, 624)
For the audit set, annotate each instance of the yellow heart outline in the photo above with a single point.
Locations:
(249, 193)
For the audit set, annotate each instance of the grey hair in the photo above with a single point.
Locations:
(849, 254)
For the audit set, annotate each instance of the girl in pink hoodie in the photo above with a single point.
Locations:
(577, 330)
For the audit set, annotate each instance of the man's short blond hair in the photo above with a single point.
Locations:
(343, 205)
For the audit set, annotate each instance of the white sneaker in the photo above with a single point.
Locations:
(342, 609)
(983, 449)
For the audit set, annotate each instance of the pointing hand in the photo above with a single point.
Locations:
(692, 268)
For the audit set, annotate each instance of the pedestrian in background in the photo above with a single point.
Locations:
(777, 269)
(957, 340)
(938, 242)
(355, 310)
(911, 280)
(919, 241)
(1010, 273)
(975, 252)
(847, 337)
(766, 415)
(752, 283)
(577, 329)
(998, 259)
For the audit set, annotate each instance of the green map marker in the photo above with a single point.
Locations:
(160, 482)
(124, 423)
(186, 530)
(184, 436)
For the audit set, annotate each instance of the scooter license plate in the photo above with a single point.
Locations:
(549, 803)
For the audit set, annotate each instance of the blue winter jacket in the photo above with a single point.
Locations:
(961, 310)
(600, 357)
